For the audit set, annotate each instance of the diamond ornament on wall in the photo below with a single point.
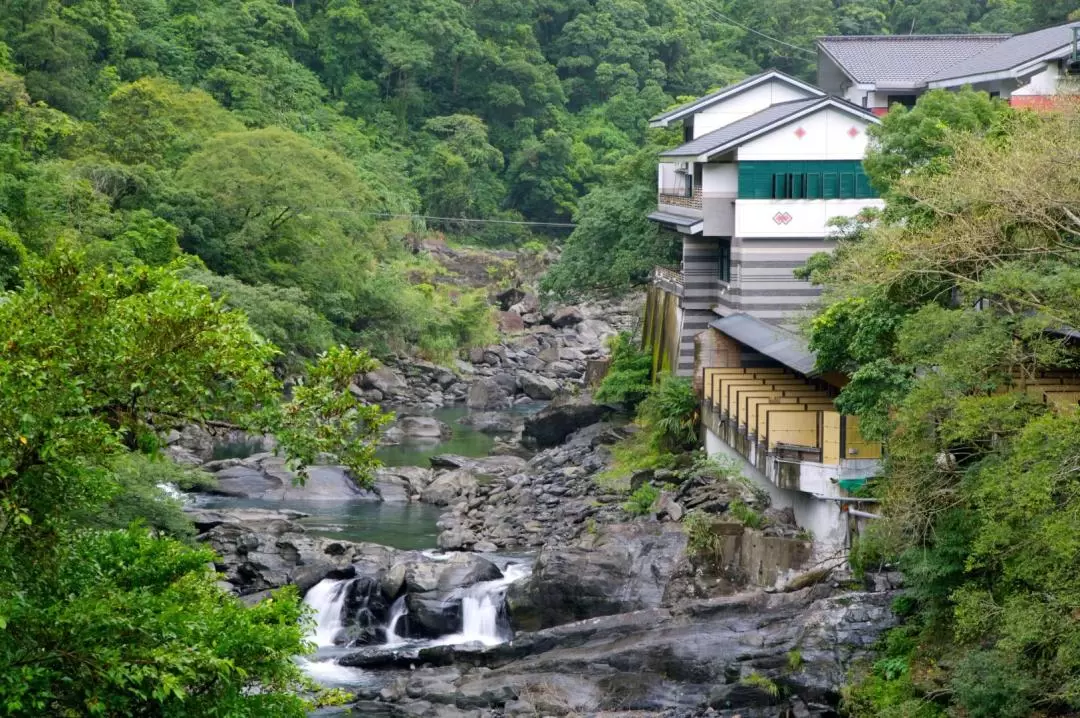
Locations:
(783, 218)
(800, 132)
(853, 132)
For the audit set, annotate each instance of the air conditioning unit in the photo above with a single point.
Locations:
(683, 167)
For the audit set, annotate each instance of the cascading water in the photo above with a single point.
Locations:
(327, 597)
(481, 608)
(397, 611)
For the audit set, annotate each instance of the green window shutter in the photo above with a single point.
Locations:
(813, 186)
(847, 185)
(830, 187)
(863, 190)
(798, 186)
(780, 185)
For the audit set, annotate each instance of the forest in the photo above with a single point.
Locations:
(199, 199)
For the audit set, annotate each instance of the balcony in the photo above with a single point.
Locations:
(669, 279)
(679, 197)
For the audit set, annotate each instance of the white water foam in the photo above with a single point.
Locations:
(327, 597)
(397, 611)
(480, 607)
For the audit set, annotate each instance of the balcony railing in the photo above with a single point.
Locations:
(668, 275)
(680, 197)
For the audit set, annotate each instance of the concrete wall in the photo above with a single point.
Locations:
(826, 135)
(822, 518)
(747, 556)
(762, 281)
(794, 217)
(744, 104)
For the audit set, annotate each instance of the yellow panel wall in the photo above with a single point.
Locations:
(853, 439)
(793, 427)
(830, 437)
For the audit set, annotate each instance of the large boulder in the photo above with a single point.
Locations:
(431, 615)
(624, 567)
(492, 422)
(423, 427)
(487, 394)
(385, 380)
(566, 317)
(538, 387)
(551, 425)
(448, 487)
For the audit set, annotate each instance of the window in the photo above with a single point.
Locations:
(724, 261)
(817, 179)
(905, 100)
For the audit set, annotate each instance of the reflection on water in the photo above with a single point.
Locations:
(404, 526)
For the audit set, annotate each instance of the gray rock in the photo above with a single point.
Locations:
(385, 380)
(446, 487)
(562, 369)
(551, 425)
(487, 395)
(538, 387)
(423, 427)
(493, 422)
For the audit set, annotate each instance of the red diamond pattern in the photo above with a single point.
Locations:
(800, 132)
(782, 218)
(853, 132)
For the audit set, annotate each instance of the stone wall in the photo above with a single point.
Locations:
(751, 558)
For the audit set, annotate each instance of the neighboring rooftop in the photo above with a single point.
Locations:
(677, 113)
(1014, 52)
(752, 125)
(903, 61)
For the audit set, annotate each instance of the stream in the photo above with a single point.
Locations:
(407, 526)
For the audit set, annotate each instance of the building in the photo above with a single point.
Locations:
(765, 166)
(875, 72)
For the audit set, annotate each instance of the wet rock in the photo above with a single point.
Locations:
(492, 422)
(625, 567)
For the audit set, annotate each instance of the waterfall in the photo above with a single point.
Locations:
(397, 611)
(327, 597)
(481, 608)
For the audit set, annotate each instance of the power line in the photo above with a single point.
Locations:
(724, 18)
(390, 215)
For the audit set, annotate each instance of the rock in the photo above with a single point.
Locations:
(509, 297)
(551, 425)
(566, 316)
(385, 380)
(424, 427)
(538, 387)
(456, 539)
(196, 440)
(562, 369)
(626, 567)
(446, 487)
(666, 507)
(492, 422)
(487, 395)
(430, 616)
(510, 322)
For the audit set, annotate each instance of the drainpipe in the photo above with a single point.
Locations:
(863, 514)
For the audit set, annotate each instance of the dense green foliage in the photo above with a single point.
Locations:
(629, 377)
(98, 617)
(946, 309)
(670, 414)
(642, 499)
(277, 141)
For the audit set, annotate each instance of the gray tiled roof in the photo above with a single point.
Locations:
(1010, 53)
(753, 123)
(789, 349)
(904, 61)
(726, 91)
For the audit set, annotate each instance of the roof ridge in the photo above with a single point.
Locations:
(735, 86)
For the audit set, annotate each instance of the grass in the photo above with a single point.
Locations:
(746, 515)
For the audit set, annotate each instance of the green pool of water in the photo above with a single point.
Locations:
(465, 441)
(404, 526)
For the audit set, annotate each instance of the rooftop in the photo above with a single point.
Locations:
(1013, 52)
(677, 113)
(788, 348)
(903, 61)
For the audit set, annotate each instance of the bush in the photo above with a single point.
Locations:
(706, 547)
(642, 500)
(990, 684)
(746, 515)
(628, 380)
(670, 413)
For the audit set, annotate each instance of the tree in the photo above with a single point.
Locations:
(121, 622)
(459, 176)
(963, 295)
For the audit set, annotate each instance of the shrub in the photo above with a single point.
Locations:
(746, 515)
(704, 544)
(990, 684)
(670, 412)
(756, 680)
(642, 500)
(627, 381)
